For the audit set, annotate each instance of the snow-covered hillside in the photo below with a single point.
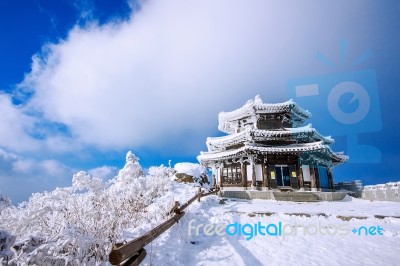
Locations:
(78, 225)
(328, 241)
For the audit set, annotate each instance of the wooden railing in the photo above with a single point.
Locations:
(133, 252)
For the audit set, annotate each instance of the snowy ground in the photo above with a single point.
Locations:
(342, 247)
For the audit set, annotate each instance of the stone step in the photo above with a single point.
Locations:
(296, 196)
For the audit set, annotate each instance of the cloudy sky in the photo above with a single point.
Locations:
(83, 82)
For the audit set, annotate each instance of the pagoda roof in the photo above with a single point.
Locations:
(216, 156)
(252, 134)
(256, 106)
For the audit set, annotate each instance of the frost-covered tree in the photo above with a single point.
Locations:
(131, 170)
(6, 242)
(82, 180)
(4, 201)
(78, 225)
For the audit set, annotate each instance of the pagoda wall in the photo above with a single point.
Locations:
(268, 173)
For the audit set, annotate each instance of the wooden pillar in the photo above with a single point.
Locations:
(214, 181)
(221, 173)
(300, 176)
(244, 174)
(313, 178)
(330, 178)
(272, 176)
(294, 180)
(253, 173)
(317, 183)
(265, 176)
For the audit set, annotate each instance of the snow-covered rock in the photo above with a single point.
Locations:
(192, 169)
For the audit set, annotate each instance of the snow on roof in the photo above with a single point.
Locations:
(252, 107)
(251, 149)
(261, 135)
(193, 169)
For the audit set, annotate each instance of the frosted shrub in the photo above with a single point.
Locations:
(131, 170)
(79, 224)
(82, 180)
(6, 241)
(4, 201)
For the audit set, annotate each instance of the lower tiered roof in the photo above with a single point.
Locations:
(249, 149)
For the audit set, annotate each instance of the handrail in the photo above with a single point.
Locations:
(133, 252)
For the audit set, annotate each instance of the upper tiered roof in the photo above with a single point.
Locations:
(299, 135)
(229, 121)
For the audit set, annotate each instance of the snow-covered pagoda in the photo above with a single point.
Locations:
(268, 148)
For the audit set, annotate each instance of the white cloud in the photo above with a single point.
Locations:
(25, 166)
(7, 156)
(172, 67)
(51, 168)
(20, 176)
(104, 172)
(15, 126)
(54, 168)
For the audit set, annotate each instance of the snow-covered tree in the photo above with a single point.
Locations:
(82, 180)
(4, 201)
(72, 226)
(131, 170)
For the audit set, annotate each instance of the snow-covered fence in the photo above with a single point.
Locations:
(133, 252)
(354, 186)
(387, 192)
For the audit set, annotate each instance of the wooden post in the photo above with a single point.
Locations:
(294, 179)
(265, 176)
(214, 181)
(221, 173)
(253, 172)
(253, 175)
(313, 178)
(317, 183)
(330, 178)
(199, 193)
(272, 176)
(244, 174)
(300, 176)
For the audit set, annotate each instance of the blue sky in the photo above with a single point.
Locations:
(83, 82)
